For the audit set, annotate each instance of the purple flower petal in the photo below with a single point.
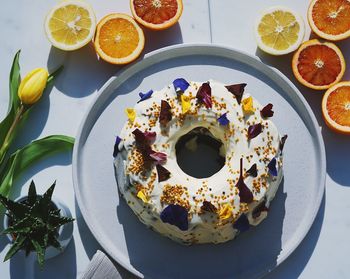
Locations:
(237, 90)
(209, 207)
(180, 85)
(165, 113)
(253, 171)
(267, 111)
(158, 157)
(204, 95)
(273, 167)
(282, 142)
(144, 138)
(145, 96)
(116, 146)
(245, 194)
(163, 173)
(175, 215)
(242, 223)
(223, 120)
(254, 130)
(260, 208)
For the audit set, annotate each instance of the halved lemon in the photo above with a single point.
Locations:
(318, 65)
(336, 107)
(279, 30)
(156, 14)
(330, 19)
(118, 39)
(70, 25)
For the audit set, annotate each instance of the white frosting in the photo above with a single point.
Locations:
(218, 189)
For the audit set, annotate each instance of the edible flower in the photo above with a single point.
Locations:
(247, 105)
(180, 85)
(242, 223)
(254, 130)
(267, 111)
(131, 114)
(223, 120)
(237, 90)
(245, 194)
(204, 95)
(282, 142)
(116, 146)
(175, 215)
(163, 173)
(141, 195)
(253, 171)
(165, 113)
(209, 207)
(144, 137)
(159, 157)
(185, 103)
(32, 86)
(145, 96)
(272, 166)
(226, 212)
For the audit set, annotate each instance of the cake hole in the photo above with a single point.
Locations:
(199, 154)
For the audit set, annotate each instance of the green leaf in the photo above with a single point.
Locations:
(55, 222)
(29, 154)
(22, 226)
(17, 245)
(14, 101)
(17, 210)
(53, 75)
(40, 251)
(54, 242)
(31, 194)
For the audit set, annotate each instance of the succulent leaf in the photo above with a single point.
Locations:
(31, 194)
(22, 226)
(18, 210)
(54, 242)
(40, 251)
(16, 246)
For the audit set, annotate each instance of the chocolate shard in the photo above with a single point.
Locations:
(260, 208)
(204, 95)
(209, 207)
(237, 90)
(165, 115)
(282, 142)
(253, 171)
(163, 173)
(245, 194)
(242, 223)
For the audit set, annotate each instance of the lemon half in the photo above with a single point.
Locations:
(70, 25)
(279, 30)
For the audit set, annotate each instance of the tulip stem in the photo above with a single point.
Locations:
(7, 141)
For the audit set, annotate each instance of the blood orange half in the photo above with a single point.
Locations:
(156, 14)
(336, 107)
(318, 65)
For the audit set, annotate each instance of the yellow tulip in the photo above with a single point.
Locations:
(32, 86)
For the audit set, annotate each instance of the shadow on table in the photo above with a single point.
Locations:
(154, 255)
(55, 268)
(90, 244)
(296, 263)
(337, 146)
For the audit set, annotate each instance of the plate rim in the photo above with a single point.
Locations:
(99, 94)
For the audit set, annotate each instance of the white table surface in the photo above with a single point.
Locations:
(324, 251)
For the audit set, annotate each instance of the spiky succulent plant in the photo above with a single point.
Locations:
(33, 223)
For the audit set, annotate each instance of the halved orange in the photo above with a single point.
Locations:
(156, 14)
(336, 107)
(118, 39)
(318, 65)
(330, 19)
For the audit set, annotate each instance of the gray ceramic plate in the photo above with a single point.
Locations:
(149, 255)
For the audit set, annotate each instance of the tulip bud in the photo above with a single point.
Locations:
(32, 86)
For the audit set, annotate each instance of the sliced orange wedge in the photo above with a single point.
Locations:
(156, 14)
(336, 107)
(330, 19)
(318, 65)
(118, 39)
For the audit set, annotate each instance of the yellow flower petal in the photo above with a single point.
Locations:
(141, 195)
(226, 212)
(131, 113)
(248, 105)
(185, 103)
